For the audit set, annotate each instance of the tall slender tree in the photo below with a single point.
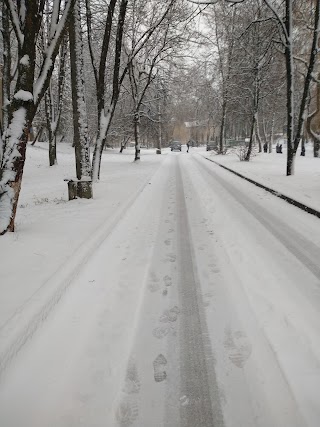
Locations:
(80, 129)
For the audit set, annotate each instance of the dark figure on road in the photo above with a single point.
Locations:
(265, 147)
(188, 145)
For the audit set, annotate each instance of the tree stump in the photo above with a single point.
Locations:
(84, 189)
(72, 190)
(79, 189)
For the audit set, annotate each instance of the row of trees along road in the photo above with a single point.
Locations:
(124, 40)
(264, 51)
(254, 68)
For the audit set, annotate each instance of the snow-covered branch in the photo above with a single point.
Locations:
(14, 15)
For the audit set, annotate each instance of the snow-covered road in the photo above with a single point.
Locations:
(200, 307)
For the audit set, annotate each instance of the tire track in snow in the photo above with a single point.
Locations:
(200, 401)
(304, 250)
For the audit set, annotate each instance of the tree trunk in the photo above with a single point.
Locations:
(271, 134)
(20, 118)
(249, 151)
(136, 123)
(100, 142)
(49, 118)
(81, 142)
(52, 152)
(159, 140)
(222, 127)
(303, 146)
(6, 66)
(104, 120)
(28, 94)
(290, 102)
(257, 133)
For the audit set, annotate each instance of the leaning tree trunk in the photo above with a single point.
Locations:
(258, 137)
(28, 93)
(20, 117)
(11, 171)
(254, 121)
(81, 142)
(124, 143)
(249, 151)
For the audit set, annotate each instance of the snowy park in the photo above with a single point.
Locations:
(93, 288)
(159, 213)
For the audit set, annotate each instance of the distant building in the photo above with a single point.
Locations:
(198, 131)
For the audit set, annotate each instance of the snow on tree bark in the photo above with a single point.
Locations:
(137, 136)
(26, 23)
(53, 104)
(105, 118)
(294, 132)
(81, 143)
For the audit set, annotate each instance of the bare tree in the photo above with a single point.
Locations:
(80, 129)
(53, 103)
(295, 121)
(26, 19)
(152, 16)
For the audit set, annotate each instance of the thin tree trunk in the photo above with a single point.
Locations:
(136, 122)
(6, 65)
(159, 140)
(271, 134)
(249, 151)
(257, 133)
(37, 136)
(49, 118)
(303, 146)
(124, 143)
(222, 127)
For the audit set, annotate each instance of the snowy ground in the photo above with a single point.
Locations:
(270, 170)
(180, 296)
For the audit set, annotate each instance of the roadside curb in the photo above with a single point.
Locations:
(270, 190)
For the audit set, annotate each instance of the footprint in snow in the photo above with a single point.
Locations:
(238, 347)
(167, 280)
(170, 315)
(132, 382)
(161, 331)
(159, 368)
(170, 258)
(127, 411)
